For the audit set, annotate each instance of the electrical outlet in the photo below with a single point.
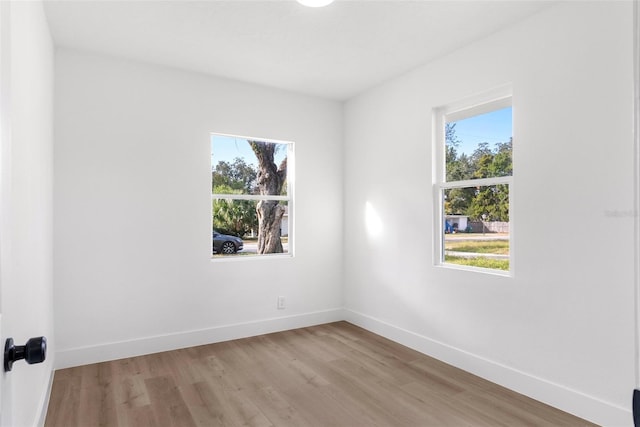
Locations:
(280, 303)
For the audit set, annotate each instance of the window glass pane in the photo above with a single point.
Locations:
(476, 226)
(479, 146)
(243, 166)
(236, 228)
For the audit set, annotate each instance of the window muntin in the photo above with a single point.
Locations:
(251, 194)
(473, 180)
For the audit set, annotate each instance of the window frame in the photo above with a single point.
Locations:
(289, 198)
(496, 99)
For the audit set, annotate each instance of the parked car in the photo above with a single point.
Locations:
(225, 244)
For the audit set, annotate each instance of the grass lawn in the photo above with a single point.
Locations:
(478, 246)
(496, 264)
(498, 247)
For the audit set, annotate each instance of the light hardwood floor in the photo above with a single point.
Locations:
(329, 375)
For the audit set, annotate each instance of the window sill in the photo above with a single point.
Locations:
(488, 271)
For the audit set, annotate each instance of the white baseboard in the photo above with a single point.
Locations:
(67, 358)
(556, 395)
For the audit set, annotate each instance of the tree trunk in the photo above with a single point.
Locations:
(270, 181)
(270, 214)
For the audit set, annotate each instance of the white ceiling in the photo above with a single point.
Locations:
(333, 52)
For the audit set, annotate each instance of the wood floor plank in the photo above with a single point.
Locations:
(131, 392)
(65, 399)
(327, 375)
(167, 402)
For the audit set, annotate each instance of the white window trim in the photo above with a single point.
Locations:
(289, 198)
(498, 98)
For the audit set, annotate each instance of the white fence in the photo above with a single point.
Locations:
(489, 226)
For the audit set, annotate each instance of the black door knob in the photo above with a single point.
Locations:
(34, 351)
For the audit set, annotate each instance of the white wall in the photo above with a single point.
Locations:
(560, 330)
(26, 208)
(133, 272)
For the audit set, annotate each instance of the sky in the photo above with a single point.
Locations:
(227, 148)
(495, 126)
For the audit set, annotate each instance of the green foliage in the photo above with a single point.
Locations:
(237, 217)
(485, 162)
(458, 200)
(502, 164)
(237, 175)
(491, 201)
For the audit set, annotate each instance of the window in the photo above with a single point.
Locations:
(251, 196)
(473, 179)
